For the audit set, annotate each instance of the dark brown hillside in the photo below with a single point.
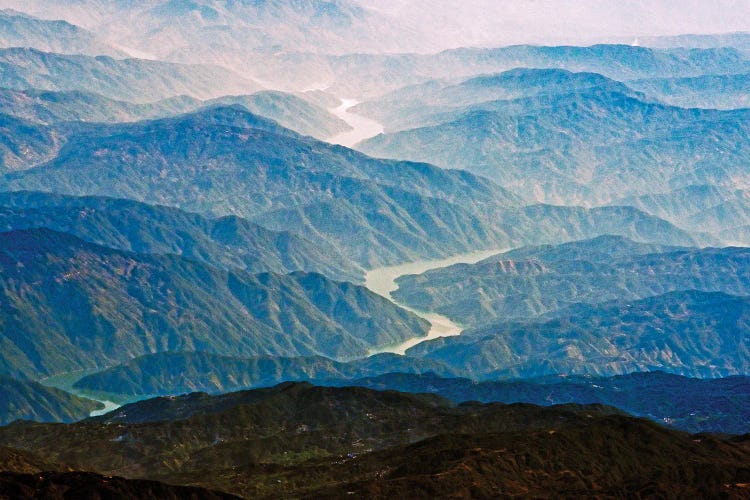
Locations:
(303, 441)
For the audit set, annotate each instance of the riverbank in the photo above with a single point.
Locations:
(362, 127)
(65, 382)
(383, 281)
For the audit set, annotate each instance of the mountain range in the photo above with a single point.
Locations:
(70, 305)
(228, 242)
(21, 30)
(49, 107)
(705, 91)
(374, 211)
(533, 281)
(240, 243)
(135, 80)
(170, 373)
(579, 145)
(689, 404)
(698, 334)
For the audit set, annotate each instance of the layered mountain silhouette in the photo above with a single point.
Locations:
(181, 248)
(49, 107)
(228, 242)
(694, 405)
(21, 30)
(136, 80)
(70, 305)
(579, 145)
(537, 280)
(374, 211)
(699, 334)
(172, 373)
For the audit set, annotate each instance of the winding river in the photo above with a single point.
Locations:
(65, 382)
(383, 281)
(362, 127)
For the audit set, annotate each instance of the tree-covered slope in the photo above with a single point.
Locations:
(374, 211)
(245, 165)
(588, 146)
(26, 400)
(24, 144)
(534, 281)
(227, 242)
(69, 305)
(698, 334)
(297, 440)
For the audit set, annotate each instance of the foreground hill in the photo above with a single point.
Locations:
(64, 485)
(698, 334)
(605, 457)
(20, 399)
(227, 242)
(70, 305)
(297, 440)
(24, 462)
(533, 281)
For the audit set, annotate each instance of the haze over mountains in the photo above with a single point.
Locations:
(251, 222)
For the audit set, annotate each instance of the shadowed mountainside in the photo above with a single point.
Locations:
(297, 440)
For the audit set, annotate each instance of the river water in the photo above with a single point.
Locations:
(65, 382)
(362, 127)
(383, 281)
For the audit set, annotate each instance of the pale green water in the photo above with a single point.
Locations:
(65, 382)
(383, 281)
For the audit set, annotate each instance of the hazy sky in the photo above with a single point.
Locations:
(519, 21)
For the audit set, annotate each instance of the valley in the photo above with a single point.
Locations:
(374, 249)
(383, 282)
(362, 127)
